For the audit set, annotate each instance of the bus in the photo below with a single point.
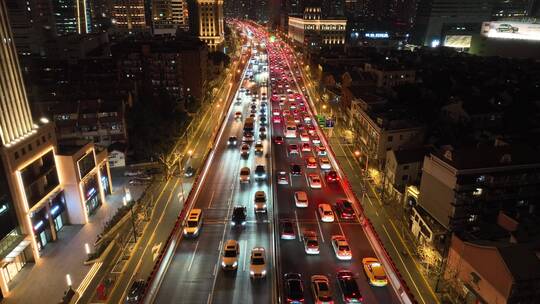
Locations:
(290, 128)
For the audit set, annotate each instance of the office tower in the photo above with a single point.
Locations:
(32, 23)
(169, 15)
(129, 15)
(210, 22)
(513, 8)
(72, 16)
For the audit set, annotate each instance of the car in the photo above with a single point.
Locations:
(248, 137)
(263, 120)
(133, 172)
(294, 288)
(507, 28)
(262, 130)
(332, 177)
(341, 247)
(311, 130)
(374, 272)
(306, 147)
(257, 263)
(304, 136)
(276, 112)
(320, 287)
(282, 178)
(324, 163)
(314, 181)
(259, 148)
(189, 171)
(301, 199)
(137, 181)
(259, 201)
(315, 139)
(260, 172)
(238, 115)
(345, 209)
(287, 230)
(244, 150)
(278, 140)
(245, 173)
(311, 243)
(239, 216)
(311, 162)
(296, 169)
(232, 141)
(136, 292)
(238, 100)
(293, 149)
(325, 213)
(321, 151)
(349, 289)
(276, 119)
(229, 257)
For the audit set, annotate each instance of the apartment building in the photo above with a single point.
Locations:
(210, 22)
(129, 15)
(465, 189)
(403, 168)
(390, 75)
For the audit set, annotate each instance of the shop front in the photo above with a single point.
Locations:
(42, 231)
(58, 211)
(105, 183)
(92, 198)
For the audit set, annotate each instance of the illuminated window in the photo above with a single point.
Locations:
(477, 192)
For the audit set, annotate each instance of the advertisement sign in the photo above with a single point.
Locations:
(511, 30)
(457, 41)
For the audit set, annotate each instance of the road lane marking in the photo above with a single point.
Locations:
(297, 225)
(193, 256)
(319, 224)
(245, 255)
(339, 224)
(211, 199)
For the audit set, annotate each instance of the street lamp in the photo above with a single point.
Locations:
(68, 281)
(124, 201)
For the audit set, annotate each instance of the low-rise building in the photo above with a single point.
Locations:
(379, 128)
(390, 75)
(403, 168)
(493, 272)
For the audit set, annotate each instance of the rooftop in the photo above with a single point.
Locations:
(407, 156)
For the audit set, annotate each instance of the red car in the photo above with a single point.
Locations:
(293, 149)
(332, 177)
(345, 209)
(278, 140)
(306, 147)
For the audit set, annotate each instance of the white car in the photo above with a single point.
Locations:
(301, 199)
(257, 264)
(326, 213)
(311, 244)
(320, 287)
(341, 247)
(229, 259)
(324, 163)
(245, 173)
(315, 181)
(304, 137)
(259, 201)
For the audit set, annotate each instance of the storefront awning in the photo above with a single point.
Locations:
(10, 257)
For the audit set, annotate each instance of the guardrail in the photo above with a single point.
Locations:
(176, 234)
(398, 283)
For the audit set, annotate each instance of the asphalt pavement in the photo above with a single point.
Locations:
(195, 274)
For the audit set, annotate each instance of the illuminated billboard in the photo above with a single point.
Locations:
(457, 41)
(511, 30)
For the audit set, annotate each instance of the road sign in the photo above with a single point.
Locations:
(330, 122)
(321, 120)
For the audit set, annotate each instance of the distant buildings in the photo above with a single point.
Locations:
(389, 75)
(210, 27)
(315, 32)
(168, 16)
(129, 15)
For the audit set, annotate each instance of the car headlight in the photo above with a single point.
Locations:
(235, 264)
(223, 264)
(263, 272)
(264, 205)
(243, 223)
(251, 272)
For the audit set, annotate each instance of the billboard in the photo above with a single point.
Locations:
(511, 30)
(458, 41)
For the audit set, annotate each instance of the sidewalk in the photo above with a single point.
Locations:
(45, 282)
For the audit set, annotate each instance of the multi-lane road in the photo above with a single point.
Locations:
(194, 274)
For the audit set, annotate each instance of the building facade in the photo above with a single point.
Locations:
(168, 16)
(210, 22)
(390, 75)
(465, 189)
(36, 208)
(315, 32)
(129, 15)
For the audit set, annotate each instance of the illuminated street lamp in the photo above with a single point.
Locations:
(357, 153)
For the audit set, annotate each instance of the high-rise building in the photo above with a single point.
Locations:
(169, 15)
(32, 23)
(129, 15)
(436, 19)
(513, 8)
(210, 27)
(73, 16)
(39, 191)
